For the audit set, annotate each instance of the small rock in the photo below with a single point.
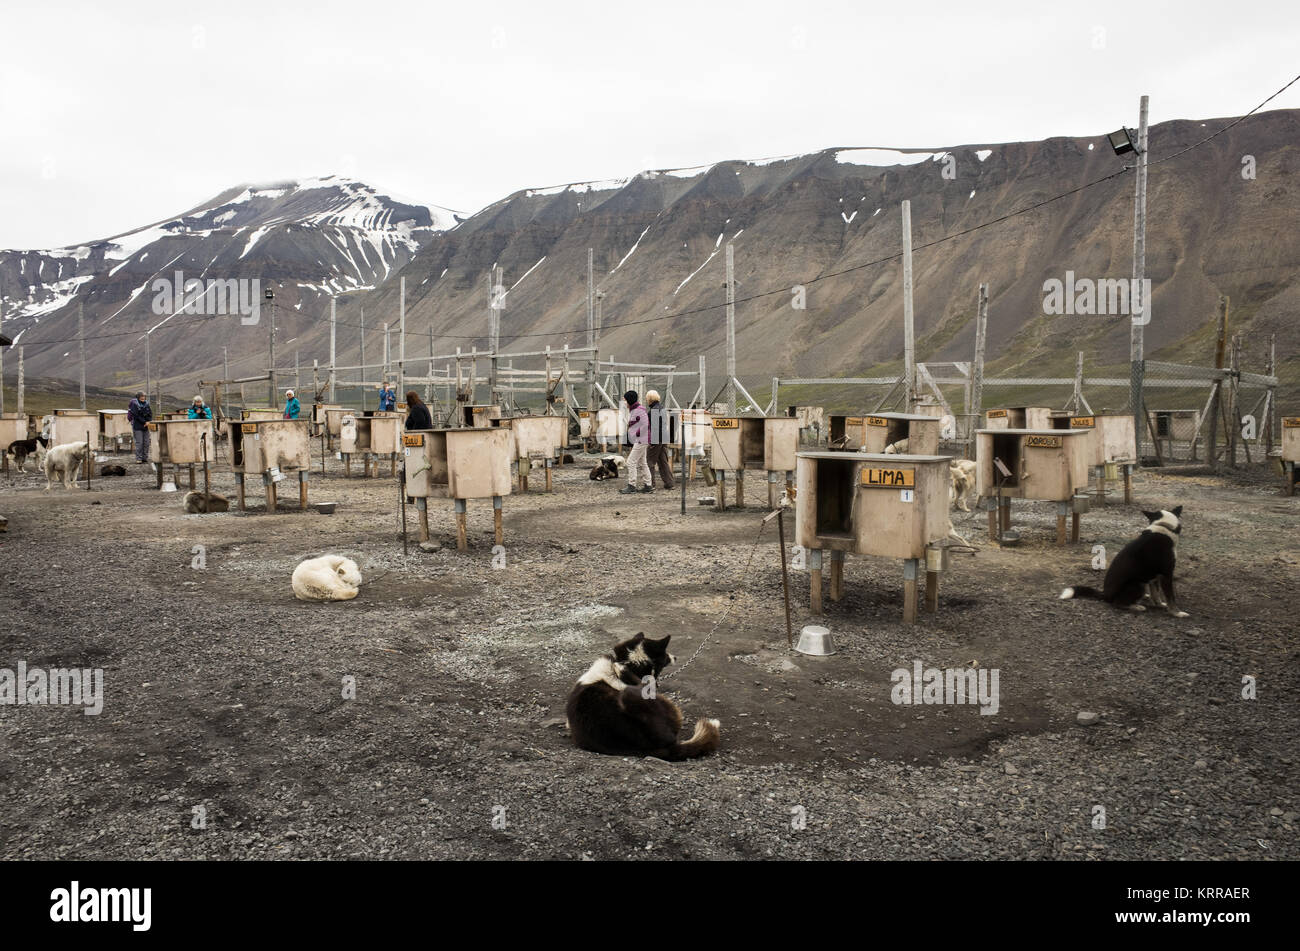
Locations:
(1087, 718)
(1010, 769)
(430, 546)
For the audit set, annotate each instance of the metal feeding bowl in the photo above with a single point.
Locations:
(815, 640)
(1008, 538)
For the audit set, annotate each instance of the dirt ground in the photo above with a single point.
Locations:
(224, 695)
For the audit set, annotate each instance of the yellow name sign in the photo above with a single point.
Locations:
(1082, 422)
(413, 439)
(889, 478)
(1291, 422)
(853, 421)
(583, 414)
(1043, 442)
(248, 427)
(877, 421)
(726, 423)
(997, 414)
(152, 427)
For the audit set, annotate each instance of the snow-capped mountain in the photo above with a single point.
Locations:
(313, 238)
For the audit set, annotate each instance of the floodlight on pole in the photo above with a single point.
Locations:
(1122, 142)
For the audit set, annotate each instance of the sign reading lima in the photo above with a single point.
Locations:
(889, 478)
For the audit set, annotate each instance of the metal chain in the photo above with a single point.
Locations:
(730, 604)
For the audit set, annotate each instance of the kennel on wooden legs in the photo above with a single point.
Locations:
(1290, 451)
(1018, 417)
(13, 427)
(460, 464)
(114, 429)
(273, 449)
(1049, 465)
(876, 433)
(73, 425)
(755, 443)
(375, 435)
(888, 505)
(180, 443)
(538, 440)
(1111, 447)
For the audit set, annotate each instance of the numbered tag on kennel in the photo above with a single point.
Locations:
(907, 495)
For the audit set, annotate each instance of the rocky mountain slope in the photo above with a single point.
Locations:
(828, 221)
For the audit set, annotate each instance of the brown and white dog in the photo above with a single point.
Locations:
(615, 709)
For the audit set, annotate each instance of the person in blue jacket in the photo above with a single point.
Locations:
(387, 399)
(291, 405)
(198, 410)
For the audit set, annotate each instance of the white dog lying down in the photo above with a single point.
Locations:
(327, 578)
(65, 460)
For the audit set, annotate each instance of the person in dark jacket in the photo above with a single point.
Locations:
(417, 414)
(660, 437)
(139, 414)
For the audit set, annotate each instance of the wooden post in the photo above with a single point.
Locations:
(911, 568)
(785, 577)
(995, 513)
(931, 592)
(239, 490)
(270, 492)
(548, 475)
(498, 529)
(462, 540)
(740, 488)
(1060, 522)
(422, 507)
(721, 503)
(302, 489)
(909, 329)
(837, 574)
(815, 580)
(771, 491)
(1128, 485)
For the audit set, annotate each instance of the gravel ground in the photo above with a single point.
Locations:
(224, 694)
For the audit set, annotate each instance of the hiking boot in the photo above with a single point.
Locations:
(644, 489)
(630, 490)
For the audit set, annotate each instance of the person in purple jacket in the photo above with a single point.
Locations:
(638, 434)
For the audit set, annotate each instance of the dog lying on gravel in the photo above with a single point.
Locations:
(20, 449)
(113, 470)
(607, 468)
(327, 578)
(610, 711)
(1146, 560)
(197, 503)
(66, 460)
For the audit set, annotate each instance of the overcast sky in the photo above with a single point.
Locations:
(117, 115)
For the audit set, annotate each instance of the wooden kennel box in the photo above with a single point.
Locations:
(1049, 465)
(13, 426)
(1290, 451)
(460, 464)
(481, 416)
(1018, 417)
(271, 449)
(73, 425)
(113, 426)
(180, 442)
(876, 432)
(609, 426)
(334, 420)
(538, 440)
(374, 434)
(753, 443)
(888, 505)
(252, 415)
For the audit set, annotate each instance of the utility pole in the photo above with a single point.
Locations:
(362, 361)
(977, 367)
(148, 363)
(591, 292)
(2, 354)
(909, 328)
(225, 364)
(731, 328)
(270, 296)
(81, 348)
(496, 293)
(401, 342)
(387, 361)
(1137, 357)
(1220, 347)
(20, 381)
(333, 341)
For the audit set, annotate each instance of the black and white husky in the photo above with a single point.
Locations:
(1144, 566)
(611, 711)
